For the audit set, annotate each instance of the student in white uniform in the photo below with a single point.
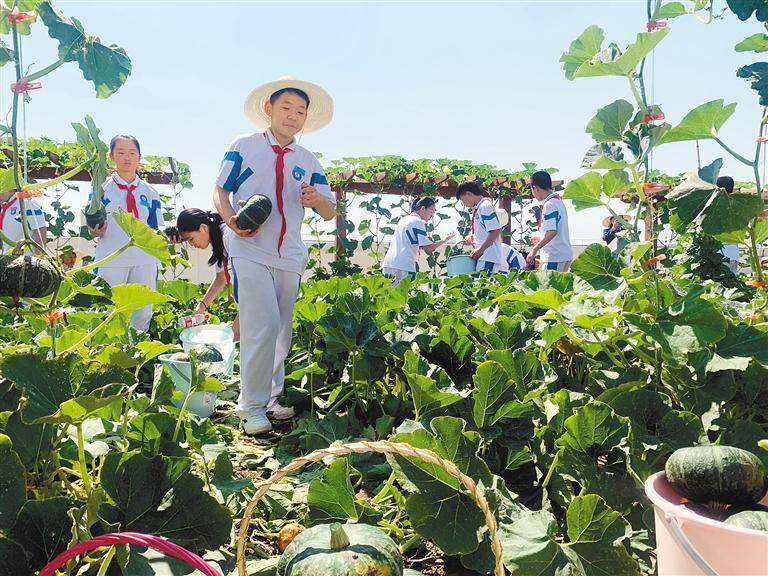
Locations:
(411, 235)
(10, 220)
(485, 228)
(270, 261)
(202, 229)
(124, 190)
(729, 251)
(513, 258)
(554, 240)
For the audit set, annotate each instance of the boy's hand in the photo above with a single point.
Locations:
(531, 258)
(310, 197)
(232, 223)
(97, 232)
(476, 254)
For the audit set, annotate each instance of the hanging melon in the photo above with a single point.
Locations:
(336, 550)
(254, 213)
(27, 276)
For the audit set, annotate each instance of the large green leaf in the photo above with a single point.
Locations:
(586, 191)
(604, 157)
(609, 123)
(712, 208)
(32, 442)
(431, 388)
(757, 74)
(597, 533)
(670, 10)
(701, 123)
(493, 388)
(108, 67)
(161, 496)
(437, 508)
(332, 498)
(546, 298)
(130, 297)
(755, 43)
(582, 50)
(66, 388)
(595, 428)
(13, 486)
(746, 342)
(13, 561)
(598, 267)
(744, 9)
(142, 236)
(614, 63)
(44, 529)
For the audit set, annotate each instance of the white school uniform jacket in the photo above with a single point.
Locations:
(248, 168)
(226, 235)
(409, 236)
(513, 258)
(150, 212)
(485, 221)
(10, 212)
(554, 216)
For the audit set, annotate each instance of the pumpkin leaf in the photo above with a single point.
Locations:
(332, 499)
(744, 9)
(142, 236)
(582, 50)
(493, 389)
(431, 388)
(108, 67)
(12, 483)
(160, 495)
(701, 123)
(669, 10)
(755, 43)
(757, 74)
(609, 123)
(44, 529)
(598, 267)
(612, 62)
(13, 561)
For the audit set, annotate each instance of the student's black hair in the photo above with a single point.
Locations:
(468, 187)
(300, 93)
(542, 179)
(725, 182)
(426, 202)
(191, 219)
(114, 140)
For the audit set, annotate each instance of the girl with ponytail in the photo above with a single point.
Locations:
(201, 229)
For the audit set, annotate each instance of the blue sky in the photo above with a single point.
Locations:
(466, 80)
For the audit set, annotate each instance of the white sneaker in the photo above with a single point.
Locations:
(280, 412)
(255, 425)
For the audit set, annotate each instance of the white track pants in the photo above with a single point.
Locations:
(266, 297)
(146, 275)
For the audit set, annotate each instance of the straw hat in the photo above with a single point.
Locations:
(607, 220)
(320, 109)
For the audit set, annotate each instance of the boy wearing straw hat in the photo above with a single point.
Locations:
(268, 263)
(612, 227)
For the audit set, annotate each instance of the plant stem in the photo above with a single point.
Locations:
(107, 561)
(81, 458)
(59, 179)
(92, 333)
(45, 71)
(733, 153)
(101, 262)
(551, 470)
(636, 94)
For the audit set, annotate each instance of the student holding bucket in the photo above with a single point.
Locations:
(485, 228)
(409, 236)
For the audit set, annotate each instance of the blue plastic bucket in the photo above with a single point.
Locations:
(461, 264)
(200, 403)
(220, 336)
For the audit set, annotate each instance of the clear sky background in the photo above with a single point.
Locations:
(466, 80)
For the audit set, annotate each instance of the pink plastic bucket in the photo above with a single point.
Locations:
(691, 545)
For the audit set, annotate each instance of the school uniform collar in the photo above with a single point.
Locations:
(273, 141)
(553, 195)
(119, 180)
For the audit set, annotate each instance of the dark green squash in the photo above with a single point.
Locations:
(207, 353)
(254, 213)
(336, 550)
(752, 519)
(27, 276)
(179, 357)
(723, 474)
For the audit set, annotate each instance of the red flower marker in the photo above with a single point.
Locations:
(763, 215)
(761, 139)
(17, 16)
(654, 24)
(25, 85)
(654, 186)
(52, 316)
(655, 260)
(747, 315)
(648, 118)
(24, 194)
(757, 283)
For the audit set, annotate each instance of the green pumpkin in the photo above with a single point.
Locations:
(254, 213)
(206, 353)
(336, 550)
(179, 357)
(721, 474)
(752, 519)
(27, 276)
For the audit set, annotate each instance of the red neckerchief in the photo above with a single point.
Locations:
(130, 200)
(5, 208)
(541, 211)
(279, 178)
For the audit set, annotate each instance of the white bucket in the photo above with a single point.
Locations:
(460, 264)
(220, 336)
(200, 403)
(688, 544)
